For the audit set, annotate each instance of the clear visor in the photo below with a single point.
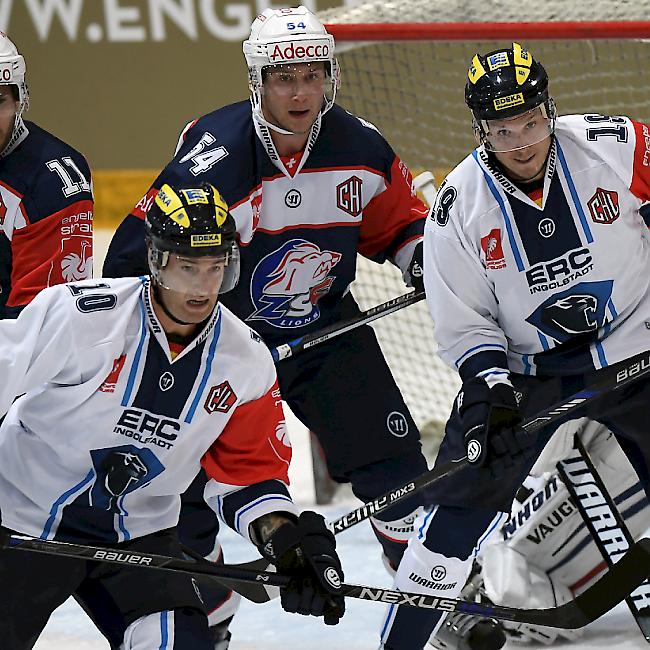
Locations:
(200, 277)
(517, 132)
(302, 78)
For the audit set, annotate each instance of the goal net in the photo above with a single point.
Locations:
(404, 66)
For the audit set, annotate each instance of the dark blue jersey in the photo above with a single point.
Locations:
(301, 220)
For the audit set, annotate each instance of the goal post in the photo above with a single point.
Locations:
(403, 68)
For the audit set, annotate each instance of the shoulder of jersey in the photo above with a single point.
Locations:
(230, 129)
(27, 164)
(466, 171)
(347, 131)
(248, 341)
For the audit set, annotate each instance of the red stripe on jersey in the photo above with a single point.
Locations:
(293, 226)
(143, 205)
(388, 213)
(251, 448)
(640, 185)
(51, 251)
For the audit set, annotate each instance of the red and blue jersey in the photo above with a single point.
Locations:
(46, 218)
(301, 220)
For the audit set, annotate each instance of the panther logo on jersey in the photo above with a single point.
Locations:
(119, 471)
(578, 310)
(287, 284)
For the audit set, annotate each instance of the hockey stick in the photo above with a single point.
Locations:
(423, 183)
(610, 590)
(608, 379)
(290, 348)
(611, 534)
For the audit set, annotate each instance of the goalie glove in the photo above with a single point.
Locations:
(306, 551)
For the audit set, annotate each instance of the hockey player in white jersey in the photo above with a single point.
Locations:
(129, 387)
(535, 271)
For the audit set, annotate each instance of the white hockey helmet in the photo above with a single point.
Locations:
(288, 36)
(12, 69)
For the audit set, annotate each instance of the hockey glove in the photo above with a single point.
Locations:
(490, 419)
(414, 276)
(306, 551)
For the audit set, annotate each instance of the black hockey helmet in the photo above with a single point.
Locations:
(191, 222)
(506, 83)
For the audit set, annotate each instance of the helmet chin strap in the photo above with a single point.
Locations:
(259, 117)
(159, 299)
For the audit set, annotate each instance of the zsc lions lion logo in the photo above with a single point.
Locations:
(287, 284)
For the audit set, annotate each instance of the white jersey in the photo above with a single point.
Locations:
(555, 288)
(113, 427)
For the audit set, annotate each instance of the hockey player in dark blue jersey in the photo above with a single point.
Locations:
(46, 201)
(310, 186)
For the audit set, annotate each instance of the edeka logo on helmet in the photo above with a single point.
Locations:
(507, 92)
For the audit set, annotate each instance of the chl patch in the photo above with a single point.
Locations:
(501, 103)
(108, 386)
(603, 206)
(220, 398)
(348, 196)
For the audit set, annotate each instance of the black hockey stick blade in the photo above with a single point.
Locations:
(593, 603)
(597, 600)
(608, 379)
(249, 579)
(290, 348)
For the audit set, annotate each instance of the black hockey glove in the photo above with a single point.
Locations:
(306, 551)
(415, 274)
(490, 421)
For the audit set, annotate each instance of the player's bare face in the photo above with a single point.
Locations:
(527, 164)
(8, 109)
(189, 290)
(521, 144)
(293, 95)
